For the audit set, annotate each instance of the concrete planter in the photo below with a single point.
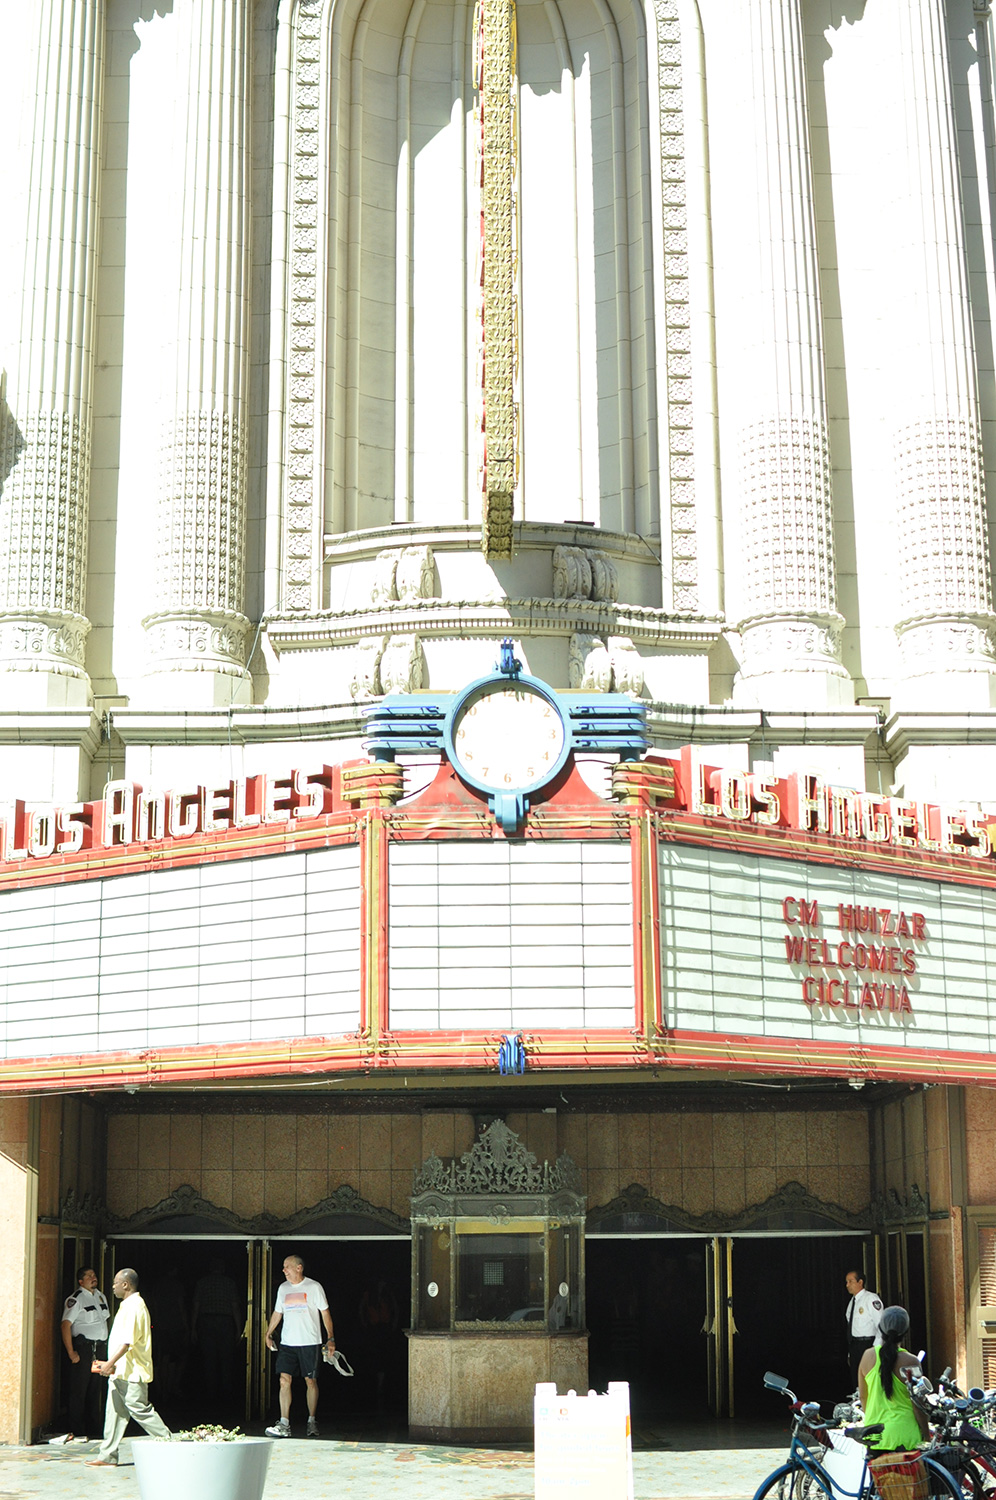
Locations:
(223, 1471)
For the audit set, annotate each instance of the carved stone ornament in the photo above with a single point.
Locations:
(402, 665)
(890, 1208)
(957, 643)
(186, 1202)
(85, 1209)
(364, 682)
(197, 641)
(584, 573)
(499, 1164)
(792, 643)
(405, 574)
(598, 666)
(48, 640)
(789, 1207)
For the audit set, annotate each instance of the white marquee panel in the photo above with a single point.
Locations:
(511, 936)
(236, 951)
(725, 965)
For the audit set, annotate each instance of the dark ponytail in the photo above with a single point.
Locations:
(894, 1325)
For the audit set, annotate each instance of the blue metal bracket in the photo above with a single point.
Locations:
(510, 810)
(512, 1054)
(509, 665)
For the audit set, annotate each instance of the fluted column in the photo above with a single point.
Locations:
(45, 412)
(946, 625)
(197, 632)
(789, 625)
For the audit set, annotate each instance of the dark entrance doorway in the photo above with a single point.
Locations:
(368, 1285)
(693, 1322)
(200, 1368)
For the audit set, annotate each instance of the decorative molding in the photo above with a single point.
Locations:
(201, 513)
(491, 619)
(309, 167)
(187, 1202)
(679, 485)
(45, 478)
(790, 1206)
(942, 535)
(498, 1163)
(496, 115)
(787, 517)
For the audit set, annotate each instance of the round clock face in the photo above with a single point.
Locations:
(508, 736)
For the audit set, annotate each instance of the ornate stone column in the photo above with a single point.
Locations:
(45, 412)
(946, 624)
(197, 632)
(789, 625)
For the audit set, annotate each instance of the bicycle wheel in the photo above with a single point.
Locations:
(792, 1482)
(943, 1484)
(978, 1482)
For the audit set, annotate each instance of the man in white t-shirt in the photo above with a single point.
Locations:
(302, 1307)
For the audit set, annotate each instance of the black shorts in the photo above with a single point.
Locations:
(299, 1359)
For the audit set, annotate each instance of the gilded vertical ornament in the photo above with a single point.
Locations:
(495, 30)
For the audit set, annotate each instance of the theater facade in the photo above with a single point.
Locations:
(754, 1011)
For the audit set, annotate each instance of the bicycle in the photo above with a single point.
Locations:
(804, 1477)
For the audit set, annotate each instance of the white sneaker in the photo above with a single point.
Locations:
(279, 1429)
(312, 1427)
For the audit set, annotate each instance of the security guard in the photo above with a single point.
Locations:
(84, 1334)
(864, 1312)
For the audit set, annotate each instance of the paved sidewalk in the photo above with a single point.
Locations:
(301, 1470)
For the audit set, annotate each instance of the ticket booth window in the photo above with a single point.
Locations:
(488, 1256)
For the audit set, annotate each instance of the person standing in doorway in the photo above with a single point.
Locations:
(84, 1333)
(864, 1313)
(129, 1372)
(300, 1304)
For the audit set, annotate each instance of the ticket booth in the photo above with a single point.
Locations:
(497, 1290)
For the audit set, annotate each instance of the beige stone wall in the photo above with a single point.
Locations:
(280, 1163)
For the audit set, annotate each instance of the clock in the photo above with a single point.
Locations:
(506, 736)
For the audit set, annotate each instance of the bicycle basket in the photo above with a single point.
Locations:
(900, 1476)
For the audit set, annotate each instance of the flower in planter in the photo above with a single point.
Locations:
(209, 1433)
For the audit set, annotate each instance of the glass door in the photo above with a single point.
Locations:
(982, 1297)
(258, 1296)
(720, 1326)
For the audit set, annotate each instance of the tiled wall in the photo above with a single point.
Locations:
(281, 1163)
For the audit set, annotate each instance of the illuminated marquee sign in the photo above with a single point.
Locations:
(812, 805)
(130, 815)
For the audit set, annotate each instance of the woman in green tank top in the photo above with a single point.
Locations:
(884, 1394)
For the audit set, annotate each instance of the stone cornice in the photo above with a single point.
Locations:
(438, 617)
(690, 724)
(528, 536)
(240, 726)
(904, 730)
(79, 727)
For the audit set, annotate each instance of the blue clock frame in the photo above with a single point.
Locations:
(422, 723)
(509, 807)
